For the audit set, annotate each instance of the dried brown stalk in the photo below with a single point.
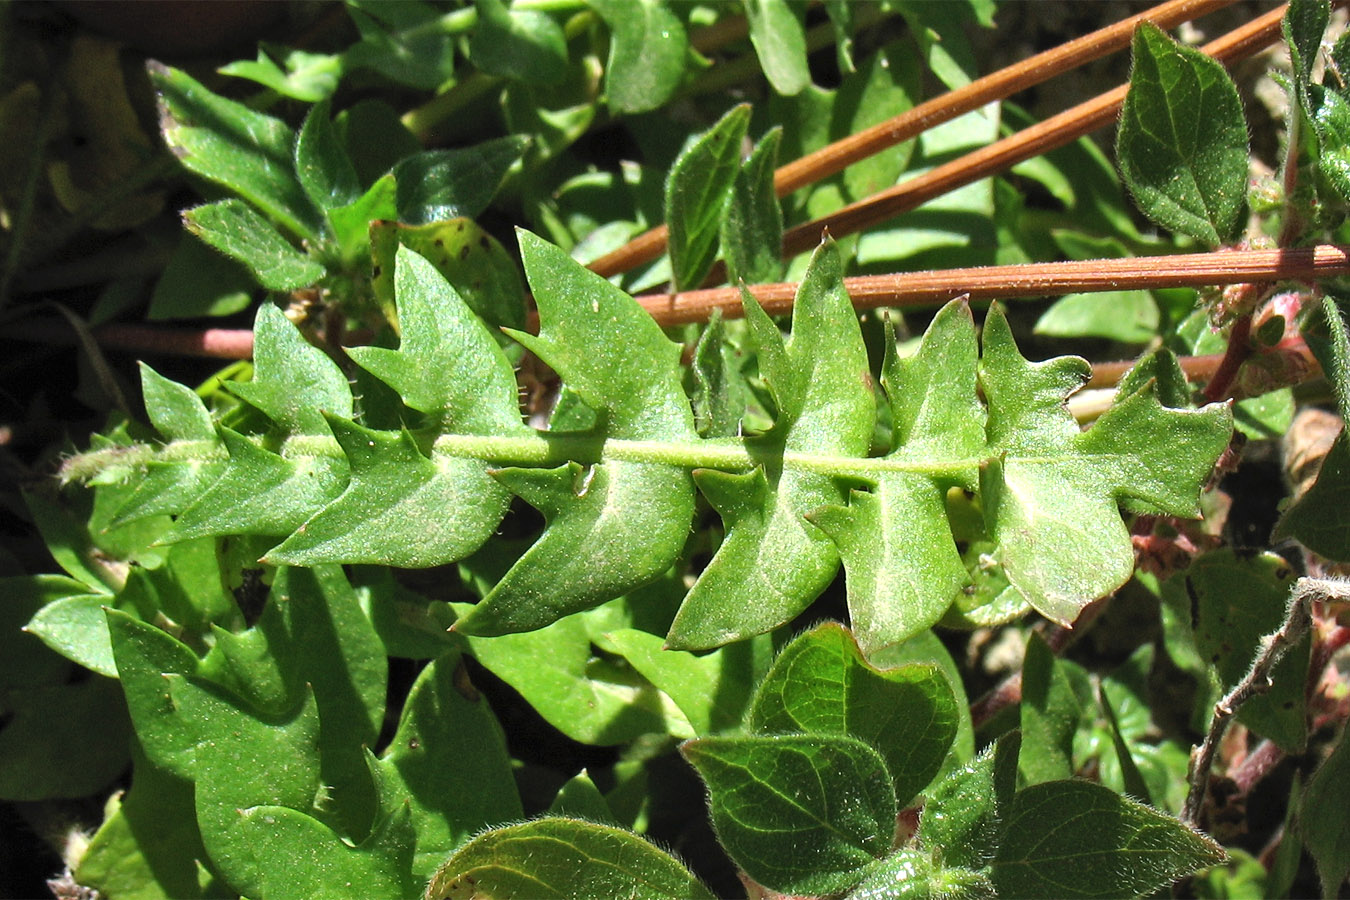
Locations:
(1007, 81)
(1001, 155)
(928, 288)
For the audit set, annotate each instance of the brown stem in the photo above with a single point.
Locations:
(996, 86)
(1001, 155)
(1023, 280)
(1239, 349)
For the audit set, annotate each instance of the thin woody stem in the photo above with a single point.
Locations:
(1007, 81)
(1002, 155)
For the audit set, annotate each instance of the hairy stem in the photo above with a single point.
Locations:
(1272, 648)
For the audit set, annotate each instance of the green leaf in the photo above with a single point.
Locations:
(1051, 714)
(261, 492)
(1304, 23)
(1323, 821)
(448, 761)
(198, 281)
(1235, 602)
(1078, 839)
(176, 411)
(322, 165)
(647, 52)
(392, 511)
(1130, 317)
(779, 39)
(1059, 486)
(233, 228)
(559, 857)
(913, 875)
(449, 184)
(1182, 142)
(751, 232)
(799, 814)
(404, 42)
(1318, 519)
(821, 685)
(582, 695)
(611, 528)
(961, 819)
(352, 223)
(76, 628)
(579, 798)
(148, 845)
(246, 152)
(520, 44)
(308, 77)
(699, 183)
(903, 567)
(888, 83)
(773, 562)
(28, 663)
(1330, 114)
(300, 856)
(475, 264)
(294, 383)
(236, 757)
(712, 690)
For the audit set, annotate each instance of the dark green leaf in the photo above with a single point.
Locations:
(799, 814)
(779, 37)
(1303, 25)
(1051, 714)
(520, 44)
(448, 184)
(1324, 817)
(245, 151)
(647, 53)
(558, 857)
(321, 162)
(696, 190)
(376, 139)
(148, 845)
(821, 685)
(1318, 518)
(1182, 142)
(403, 42)
(1078, 839)
(233, 228)
(556, 670)
(752, 226)
(47, 748)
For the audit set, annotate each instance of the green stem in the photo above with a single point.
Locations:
(541, 449)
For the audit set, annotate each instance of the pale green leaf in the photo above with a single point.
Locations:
(647, 52)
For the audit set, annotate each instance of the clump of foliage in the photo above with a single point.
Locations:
(475, 583)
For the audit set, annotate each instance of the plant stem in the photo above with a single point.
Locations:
(1001, 155)
(1007, 81)
(1297, 620)
(1023, 280)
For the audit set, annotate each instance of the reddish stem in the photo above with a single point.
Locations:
(1239, 349)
